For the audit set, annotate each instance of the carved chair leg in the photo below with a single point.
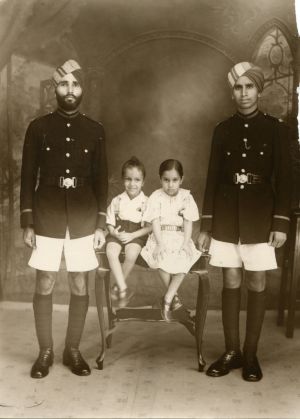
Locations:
(294, 279)
(201, 311)
(111, 315)
(283, 288)
(99, 304)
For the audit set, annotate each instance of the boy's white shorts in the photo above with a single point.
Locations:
(254, 257)
(79, 254)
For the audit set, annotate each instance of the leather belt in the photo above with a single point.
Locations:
(249, 178)
(65, 182)
(168, 227)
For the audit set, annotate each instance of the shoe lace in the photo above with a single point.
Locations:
(44, 355)
(76, 356)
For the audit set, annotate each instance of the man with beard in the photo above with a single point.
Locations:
(63, 202)
(246, 212)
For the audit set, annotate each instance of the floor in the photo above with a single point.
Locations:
(150, 372)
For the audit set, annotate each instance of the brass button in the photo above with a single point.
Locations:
(68, 139)
(67, 170)
(67, 154)
(244, 155)
(243, 170)
(242, 186)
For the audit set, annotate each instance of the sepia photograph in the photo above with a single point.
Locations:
(150, 209)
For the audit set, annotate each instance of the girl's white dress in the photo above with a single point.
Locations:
(171, 211)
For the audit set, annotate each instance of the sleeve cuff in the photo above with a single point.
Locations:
(26, 219)
(280, 223)
(101, 220)
(206, 223)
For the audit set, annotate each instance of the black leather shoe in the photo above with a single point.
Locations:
(72, 358)
(41, 366)
(228, 361)
(251, 370)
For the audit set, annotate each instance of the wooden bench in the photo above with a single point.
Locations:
(289, 296)
(194, 324)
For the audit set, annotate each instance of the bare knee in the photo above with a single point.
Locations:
(78, 282)
(232, 277)
(132, 252)
(45, 281)
(256, 280)
(113, 253)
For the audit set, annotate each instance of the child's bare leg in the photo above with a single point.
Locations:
(165, 277)
(132, 250)
(173, 286)
(113, 251)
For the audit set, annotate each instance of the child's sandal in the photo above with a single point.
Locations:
(114, 293)
(166, 313)
(124, 298)
(176, 303)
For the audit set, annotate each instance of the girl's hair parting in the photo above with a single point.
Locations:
(169, 165)
(133, 162)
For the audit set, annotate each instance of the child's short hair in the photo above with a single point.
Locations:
(134, 162)
(169, 165)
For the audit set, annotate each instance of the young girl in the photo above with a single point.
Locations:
(170, 248)
(124, 224)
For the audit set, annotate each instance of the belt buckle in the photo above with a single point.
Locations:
(240, 178)
(67, 182)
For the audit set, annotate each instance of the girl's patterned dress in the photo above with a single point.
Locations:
(171, 211)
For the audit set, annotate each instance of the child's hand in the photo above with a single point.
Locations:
(186, 250)
(125, 237)
(116, 233)
(159, 252)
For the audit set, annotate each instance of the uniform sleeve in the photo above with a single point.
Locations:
(29, 172)
(110, 215)
(190, 211)
(211, 181)
(283, 176)
(100, 177)
(152, 209)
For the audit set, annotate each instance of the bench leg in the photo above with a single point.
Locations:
(111, 315)
(99, 304)
(201, 311)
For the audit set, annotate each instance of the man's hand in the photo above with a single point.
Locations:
(277, 239)
(204, 241)
(99, 239)
(29, 237)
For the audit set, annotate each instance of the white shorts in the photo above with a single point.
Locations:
(79, 254)
(254, 257)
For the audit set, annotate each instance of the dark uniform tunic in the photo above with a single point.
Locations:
(58, 147)
(248, 211)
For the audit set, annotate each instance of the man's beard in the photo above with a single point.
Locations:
(68, 106)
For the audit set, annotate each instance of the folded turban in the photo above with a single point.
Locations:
(70, 66)
(252, 71)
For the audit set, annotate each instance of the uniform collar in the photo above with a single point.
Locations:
(65, 115)
(249, 116)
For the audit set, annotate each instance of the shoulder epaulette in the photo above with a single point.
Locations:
(92, 120)
(273, 118)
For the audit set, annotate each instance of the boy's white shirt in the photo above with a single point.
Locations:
(126, 208)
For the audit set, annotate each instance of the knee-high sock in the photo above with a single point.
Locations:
(77, 313)
(42, 308)
(231, 303)
(255, 315)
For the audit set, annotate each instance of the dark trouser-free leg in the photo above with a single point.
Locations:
(231, 300)
(256, 282)
(42, 308)
(78, 307)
